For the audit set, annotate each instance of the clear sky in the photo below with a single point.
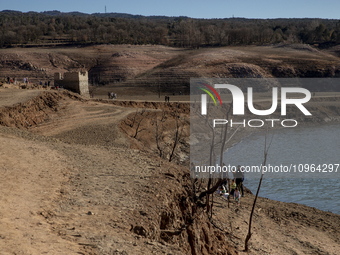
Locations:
(192, 8)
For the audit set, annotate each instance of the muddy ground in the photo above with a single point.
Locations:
(76, 181)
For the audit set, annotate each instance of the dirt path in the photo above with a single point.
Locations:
(32, 174)
(86, 123)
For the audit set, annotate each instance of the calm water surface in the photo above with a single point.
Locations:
(302, 146)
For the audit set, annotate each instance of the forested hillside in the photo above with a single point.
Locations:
(54, 27)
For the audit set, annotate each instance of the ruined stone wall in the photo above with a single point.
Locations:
(83, 83)
(57, 76)
(74, 81)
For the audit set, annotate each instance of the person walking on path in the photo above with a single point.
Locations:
(232, 187)
(237, 196)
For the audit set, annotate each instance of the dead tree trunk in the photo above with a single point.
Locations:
(178, 135)
(266, 149)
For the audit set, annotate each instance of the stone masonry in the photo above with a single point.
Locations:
(74, 81)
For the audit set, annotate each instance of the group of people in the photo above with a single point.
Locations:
(26, 81)
(112, 95)
(47, 83)
(236, 186)
(10, 80)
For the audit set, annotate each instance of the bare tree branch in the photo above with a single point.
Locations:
(139, 123)
(178, 135)
(159, 134)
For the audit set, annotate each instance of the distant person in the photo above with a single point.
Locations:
(232, 187)
(237, 196)
(222, 192)
(48, 83)
(240, 178)
(219, 191)
(40, 82)
(109, 95)
(224, 184)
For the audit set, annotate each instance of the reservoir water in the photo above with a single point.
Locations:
(315, 153)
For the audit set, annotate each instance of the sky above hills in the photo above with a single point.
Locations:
(263, 9)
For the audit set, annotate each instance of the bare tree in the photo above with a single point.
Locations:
(177, 136)
(213, 184)
(224, 140)
(136, 119)
(159, 130)
(266, 149)
(132, 120)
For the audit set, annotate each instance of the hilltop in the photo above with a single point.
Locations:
(55, 28)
